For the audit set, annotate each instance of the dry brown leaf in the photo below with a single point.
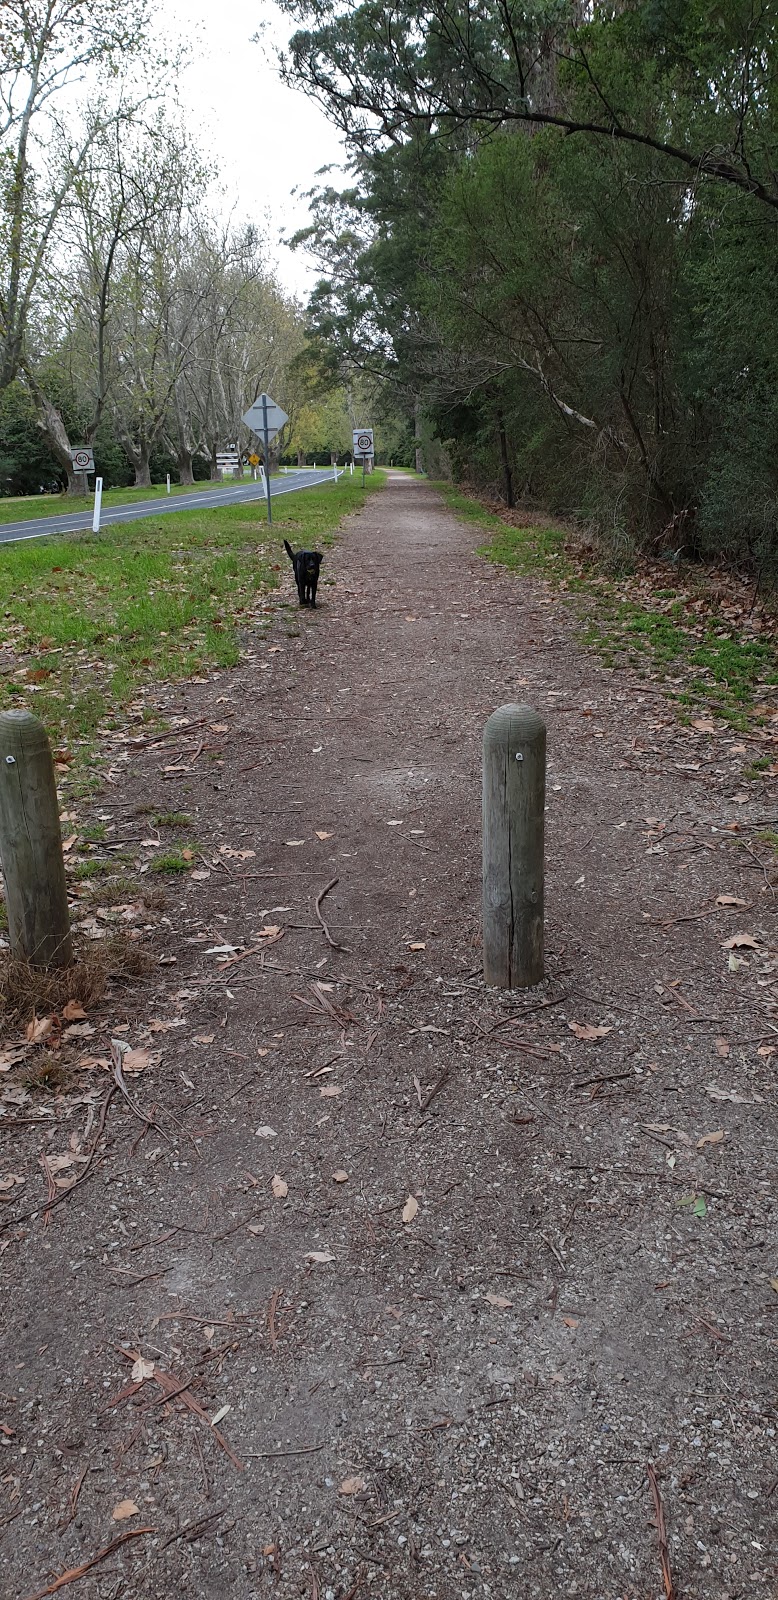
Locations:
(10, 1182)
(142, 1369)
(570, 1322)
(294, 841)
(73, 1011)
(729, 900)
(319, 1255)
(79, 1030)
(410, 1209)
(38, 1029)
(741, 941)
(329, 1090)
(125, 1509)
(722, 1048)
(703, 725)
(711, 1138)
(352, 1486)
(340, 1176)
(204, 1038)
(134, 1061)
(279, 1187)
(417, 946)
(499, 1301)
(586, 1030)
(320, 834)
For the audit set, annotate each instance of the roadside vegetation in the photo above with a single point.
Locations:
(89, 621)
(704, 636)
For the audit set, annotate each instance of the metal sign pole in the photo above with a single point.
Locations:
(267, 456)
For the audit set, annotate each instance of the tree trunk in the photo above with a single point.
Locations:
(54, 432)
(184, 464)
(417, 434)
(142, 471)
(506, 462)
(301, 458)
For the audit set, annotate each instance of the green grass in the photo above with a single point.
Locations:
(712, 666)
(89, 620)
(173, 819)
(174, 860)
(28, 507)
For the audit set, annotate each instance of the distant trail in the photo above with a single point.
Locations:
(81, 521)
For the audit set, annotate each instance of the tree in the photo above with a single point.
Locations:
(46, 47)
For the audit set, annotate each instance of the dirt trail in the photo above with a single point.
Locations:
(463, 1403)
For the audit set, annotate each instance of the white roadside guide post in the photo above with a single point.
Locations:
(98, 505)
(168, 483)
(265, 419)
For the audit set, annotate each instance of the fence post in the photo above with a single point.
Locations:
(31, 844)
(514, 792)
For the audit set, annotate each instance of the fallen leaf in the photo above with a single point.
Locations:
(204, 1038)
(417, 947)
(329, 1090)
(67, 844)
(142, 1369)
(256, 1227)
(125, 1509)
(340, 1176)
(729, 900)
(319, 1255)
(134, 1061)
(38, 1029)
(585, 1030)
(741, 941)
(410, 1209)
(79, 1030)
(279, 1187)
(321, 835)
(266, 1132)
(396, 823)
(73, 1011)
(774, 1284)
(570, 1322)
(351, 1486)
(10, 1182)
(294, 841)
(499, 1301)
(703, 725)
(722, 1047)
(711, 1138)
(220, 1415)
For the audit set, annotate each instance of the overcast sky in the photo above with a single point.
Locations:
(265, 140)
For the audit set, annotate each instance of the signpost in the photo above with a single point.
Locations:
(266, 419)
(83, 459)
(227, 460)
(364, 449)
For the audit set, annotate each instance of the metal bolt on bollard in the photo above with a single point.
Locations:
(514, 792)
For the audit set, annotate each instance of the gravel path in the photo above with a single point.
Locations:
(452, 1277)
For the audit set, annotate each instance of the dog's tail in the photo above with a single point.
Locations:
(289, 551)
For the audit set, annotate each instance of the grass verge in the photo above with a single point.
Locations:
(694, 631)
(89, 620)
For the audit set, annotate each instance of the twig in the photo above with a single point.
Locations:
(607, 1077)
(74, 1494)
(327, 934)
(66, 1193)
(143, 1116)
(554, 1251)
(273, 1455)
(664, 1553)
(191, 1530)
(79, 1572)
(436, 1087)
(271, 1317)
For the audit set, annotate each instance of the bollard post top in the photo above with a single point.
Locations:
(22, 730)
(514, 724)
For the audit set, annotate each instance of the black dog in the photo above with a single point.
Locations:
(306, 565)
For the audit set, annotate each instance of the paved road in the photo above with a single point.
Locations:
(80, 521)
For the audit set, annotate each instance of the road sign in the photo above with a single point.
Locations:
(256, 420)
(253, 460)
(227, 459)
(83, 459)
(363, 442)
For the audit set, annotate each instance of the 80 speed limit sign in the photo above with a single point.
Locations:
(363, 441)
(83, 460)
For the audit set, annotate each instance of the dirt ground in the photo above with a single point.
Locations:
(388, 1284)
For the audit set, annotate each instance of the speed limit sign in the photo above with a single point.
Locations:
(363, 442)
(83, 459)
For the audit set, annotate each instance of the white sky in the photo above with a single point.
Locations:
(265, 139)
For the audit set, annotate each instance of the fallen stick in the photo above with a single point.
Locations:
(73, 1573)
(436, 1087)
(327, 934)
(664, 1553)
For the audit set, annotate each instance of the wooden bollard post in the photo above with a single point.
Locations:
(513, 813)
(31, 844)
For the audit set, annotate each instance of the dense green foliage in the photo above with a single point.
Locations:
(562, 239)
